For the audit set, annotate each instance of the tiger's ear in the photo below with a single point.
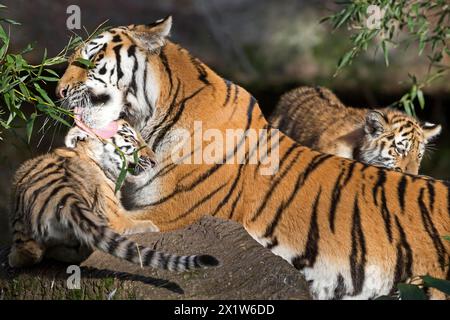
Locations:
(431, 131)
(376, 123)
(152, 36)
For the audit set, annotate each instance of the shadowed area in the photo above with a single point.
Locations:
(242, 259)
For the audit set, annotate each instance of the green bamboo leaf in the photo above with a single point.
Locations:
(23, 88)
(440, 284)
(421, 98)
(385, 52)
(30, 125)
(410, 292)
(52, 72)
(58, 118)
(43, 94)
(86, 63)
(344, 60)
(10, 21)
(122, 175)
(49, 79)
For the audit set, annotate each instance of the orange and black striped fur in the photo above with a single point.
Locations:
(352, 229)
(65, 206)
(316, 118)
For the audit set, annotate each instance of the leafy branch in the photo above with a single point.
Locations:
(22, 84)
(398, 24)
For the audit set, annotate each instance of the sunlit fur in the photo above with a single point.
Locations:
(65, 206)
(316, 118)
(353, 230)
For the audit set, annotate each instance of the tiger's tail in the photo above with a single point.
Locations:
(95, 232)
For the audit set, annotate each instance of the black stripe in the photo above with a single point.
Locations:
(337, 190)
(228, 92)
(271, 145)
(234, 205)
(199, 203)
(403, 265)
(358, 251)
(61, 205)
(230, 191)
(118, 61)
(431, 194)
(272, 244)
(278, 179)
(207, 174)
(341, 289)
(176, 261)
(37, 192)
(202, 74)
(144, 88)
(133, 85)
(314, 164)
(431, 230)
(149, 257)
(309, 255)
(236, 94)
(166, 65)
(113, 243)
(116, 38)
(170, 123)
(401, 191)
(43, 208)
(379, 189)
(131, 251)
(165, 258)
(335, 196)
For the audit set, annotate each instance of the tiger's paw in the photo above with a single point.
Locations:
(73, 136)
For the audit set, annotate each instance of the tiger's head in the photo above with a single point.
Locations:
(124, 144)
(111, 86)
(395, 140)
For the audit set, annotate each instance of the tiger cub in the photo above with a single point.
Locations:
(65, 205)
(316, 118)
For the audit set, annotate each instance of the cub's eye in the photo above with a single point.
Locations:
(398, 169)
(400, 150)
(122, 115)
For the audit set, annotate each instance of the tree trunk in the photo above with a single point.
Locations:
(247, 271)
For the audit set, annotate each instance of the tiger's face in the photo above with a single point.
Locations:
(396, 141)
(110, 88)
(126, 144)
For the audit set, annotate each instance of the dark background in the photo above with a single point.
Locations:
(267, 46)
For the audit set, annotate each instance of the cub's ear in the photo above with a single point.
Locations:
(376, 123)
(152, 36)
(431, 131)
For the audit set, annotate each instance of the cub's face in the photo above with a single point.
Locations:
(121, 81)
(395, 140)
(126, 146)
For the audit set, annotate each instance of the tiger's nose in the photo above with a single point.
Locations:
(61, 91)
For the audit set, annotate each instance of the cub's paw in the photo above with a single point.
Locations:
(73, 136)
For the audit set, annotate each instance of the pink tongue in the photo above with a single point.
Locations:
(105, 132)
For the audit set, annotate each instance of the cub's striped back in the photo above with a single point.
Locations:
(316, 118)
(65, 205)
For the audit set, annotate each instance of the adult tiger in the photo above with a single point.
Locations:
(353, 230)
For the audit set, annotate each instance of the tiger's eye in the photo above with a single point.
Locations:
(398, 169)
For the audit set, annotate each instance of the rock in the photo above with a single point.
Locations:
(247, 271)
